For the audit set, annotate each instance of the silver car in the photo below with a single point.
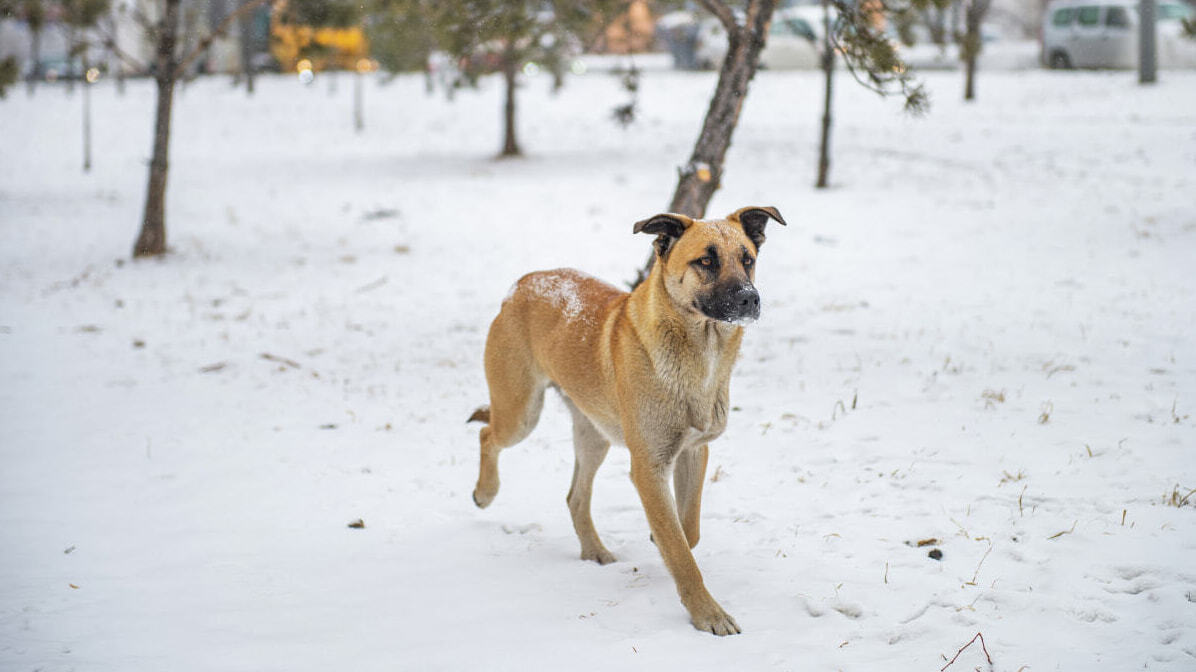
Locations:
(1104, 34)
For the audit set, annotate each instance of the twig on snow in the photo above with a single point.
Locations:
(977, 573)
(1060, 534)
(281, 360)
(970, 642)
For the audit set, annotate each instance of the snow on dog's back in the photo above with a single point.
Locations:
(574, 294)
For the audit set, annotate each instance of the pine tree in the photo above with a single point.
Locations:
(403, 34)
(856, 31)
(504, 36)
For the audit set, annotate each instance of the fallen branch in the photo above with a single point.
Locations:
(372, 286)
(281, 360)
(961, 650)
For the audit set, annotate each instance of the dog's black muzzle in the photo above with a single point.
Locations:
(736, 303)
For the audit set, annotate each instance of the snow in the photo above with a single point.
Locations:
(560, 289)
(981, 334)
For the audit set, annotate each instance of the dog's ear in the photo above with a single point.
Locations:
(668, 227)
(753, 220)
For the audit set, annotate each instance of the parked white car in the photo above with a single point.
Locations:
(1104, 34)
(794, 41)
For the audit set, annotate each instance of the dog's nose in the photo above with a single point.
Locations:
(748, 298)
(746, 302)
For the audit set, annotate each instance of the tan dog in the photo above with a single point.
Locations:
(650, 370)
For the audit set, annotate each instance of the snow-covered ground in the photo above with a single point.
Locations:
(981, 335)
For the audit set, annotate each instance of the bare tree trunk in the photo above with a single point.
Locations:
(246, 38)
(935, 19)
(35, 54)
(510, 72)
(701, 176)
(358, 115)
(1147, 42)
(71, 41)
(86, 115)
(152, 239)
(969, 86)
(971, 43)
(828, 70)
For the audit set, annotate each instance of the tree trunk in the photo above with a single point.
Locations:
(1147, 42)
(35, 54)
(71, 41)
(970, 47)
(701, 177)
(358, 114)
(935, 19)
(152, 240)
(828, 70)
(969, 86)
(246, 40)
(86, 116)
(510, 72)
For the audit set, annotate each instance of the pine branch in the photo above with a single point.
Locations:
(200, 47)
(870, 57)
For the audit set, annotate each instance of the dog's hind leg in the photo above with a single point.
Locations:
(516, 398)
(589, 449)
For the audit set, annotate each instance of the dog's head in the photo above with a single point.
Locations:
(709, 265)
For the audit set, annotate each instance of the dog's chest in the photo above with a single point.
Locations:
(707, 415)
(702, 385)
(705, 408)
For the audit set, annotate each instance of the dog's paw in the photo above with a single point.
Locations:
(714, 620)
(600, 556)
(483, 499)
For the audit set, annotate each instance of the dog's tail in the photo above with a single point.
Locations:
(480, 415)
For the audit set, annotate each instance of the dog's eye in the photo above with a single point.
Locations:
(748, 261)
(706, 261)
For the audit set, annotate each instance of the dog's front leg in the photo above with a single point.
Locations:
(688, 474)
(652, 483)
